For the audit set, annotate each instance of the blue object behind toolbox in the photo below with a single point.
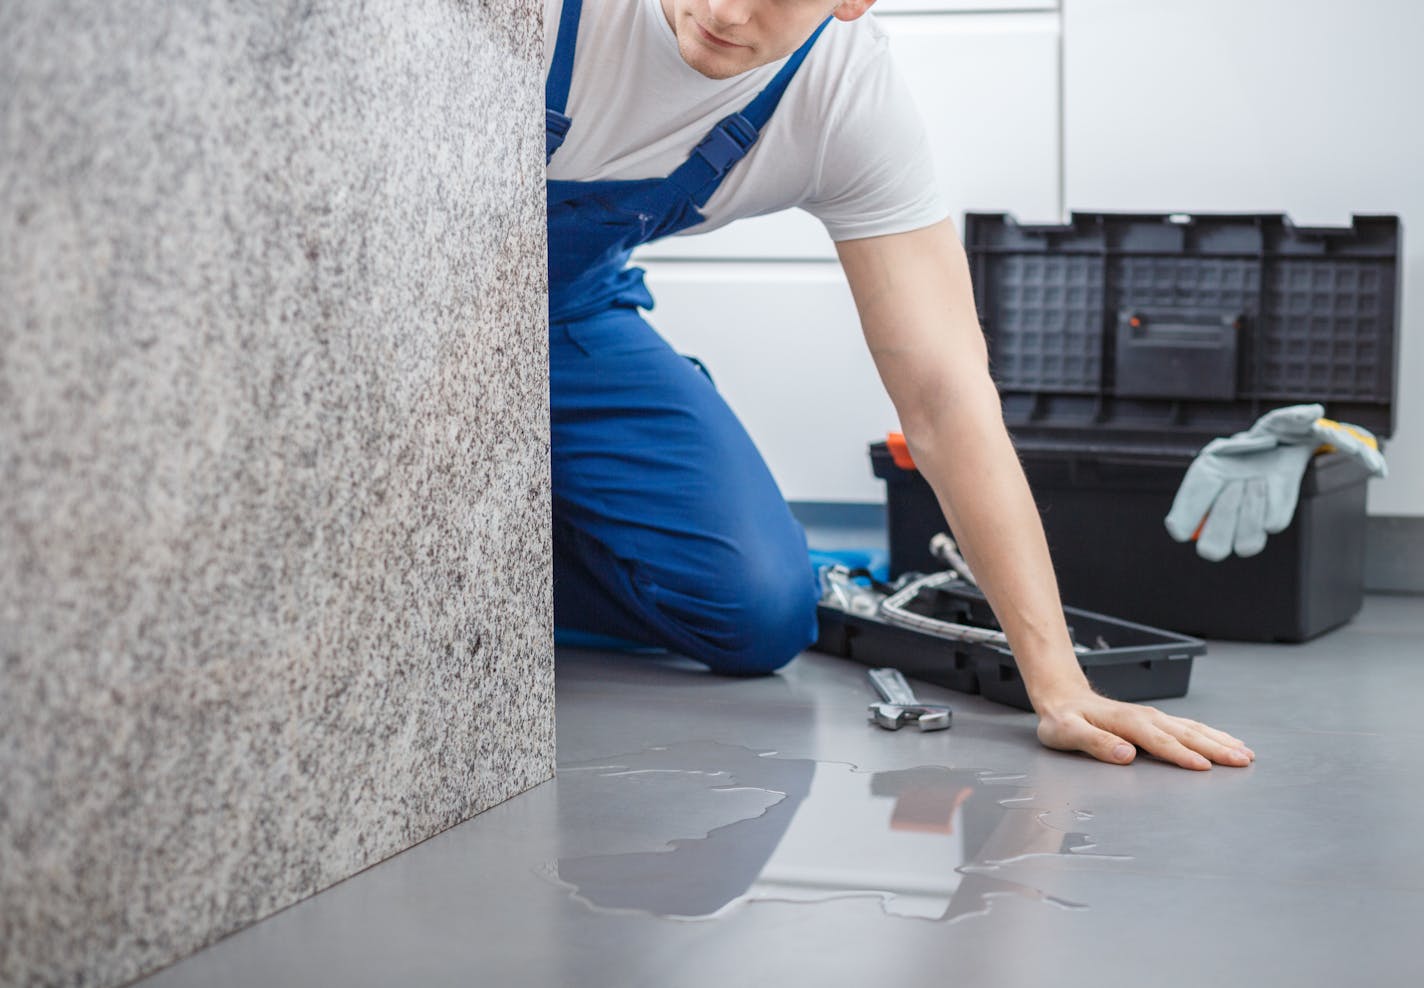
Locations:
(1121, 344)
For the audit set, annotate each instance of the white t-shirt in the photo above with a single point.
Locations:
(845, 144)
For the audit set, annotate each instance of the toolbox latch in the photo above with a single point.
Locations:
(1177, 353)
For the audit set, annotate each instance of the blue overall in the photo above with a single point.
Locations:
(668, 527)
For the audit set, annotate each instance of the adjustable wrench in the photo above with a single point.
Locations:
(901, 707)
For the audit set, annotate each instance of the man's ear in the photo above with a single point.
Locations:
(849, 10)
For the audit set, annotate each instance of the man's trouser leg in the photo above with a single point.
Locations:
(668, 527)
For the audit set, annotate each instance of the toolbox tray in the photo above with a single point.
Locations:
(1142, 663)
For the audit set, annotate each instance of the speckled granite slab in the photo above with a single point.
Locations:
(274, 545)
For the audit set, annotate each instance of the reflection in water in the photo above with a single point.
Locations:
(927, 841)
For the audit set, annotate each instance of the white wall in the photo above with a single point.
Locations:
(1308, 107)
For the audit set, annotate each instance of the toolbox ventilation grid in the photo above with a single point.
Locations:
(1050, 333)
(1327, 330)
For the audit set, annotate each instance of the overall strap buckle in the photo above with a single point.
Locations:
(556, 127)
(727, 143)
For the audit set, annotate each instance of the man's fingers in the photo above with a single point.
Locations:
(1169, 749)
(1108, 730)
(1221, 754)
(1221, 737)
(1079, 735)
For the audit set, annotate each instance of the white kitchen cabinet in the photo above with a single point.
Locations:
(1307, 107)
(783, 344)
(987, 88)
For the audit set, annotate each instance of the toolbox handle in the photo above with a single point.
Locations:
(1324, 232)
(1044, 229)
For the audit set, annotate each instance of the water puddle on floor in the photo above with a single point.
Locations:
(927, 841)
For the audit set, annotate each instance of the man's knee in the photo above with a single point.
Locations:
(768, 624)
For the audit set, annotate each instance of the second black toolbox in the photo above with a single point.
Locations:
(1123, 343)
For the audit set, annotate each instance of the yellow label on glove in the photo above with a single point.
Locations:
(1345, 427)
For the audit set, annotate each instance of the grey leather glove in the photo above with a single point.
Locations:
(1244, 487)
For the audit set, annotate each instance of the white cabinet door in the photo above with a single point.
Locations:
(1307, 107)
(987, 88)
(783, 344)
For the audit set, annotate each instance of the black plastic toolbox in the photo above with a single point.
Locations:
(1121, 344)
(1139, 663)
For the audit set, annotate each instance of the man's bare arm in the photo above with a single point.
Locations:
(917, 310)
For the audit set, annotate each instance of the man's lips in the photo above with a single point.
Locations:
(712, 38)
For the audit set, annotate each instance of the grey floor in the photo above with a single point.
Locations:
(722, 832)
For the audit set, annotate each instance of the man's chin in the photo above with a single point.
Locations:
(710, 64)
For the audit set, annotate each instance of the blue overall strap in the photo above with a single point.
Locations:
(561, 77)
(729, 141)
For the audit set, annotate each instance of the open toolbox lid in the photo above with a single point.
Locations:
(1155, 333)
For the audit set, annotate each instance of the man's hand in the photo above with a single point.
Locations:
(916, 306)
(1112, 731)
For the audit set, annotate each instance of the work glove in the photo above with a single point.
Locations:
(1241, 488)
